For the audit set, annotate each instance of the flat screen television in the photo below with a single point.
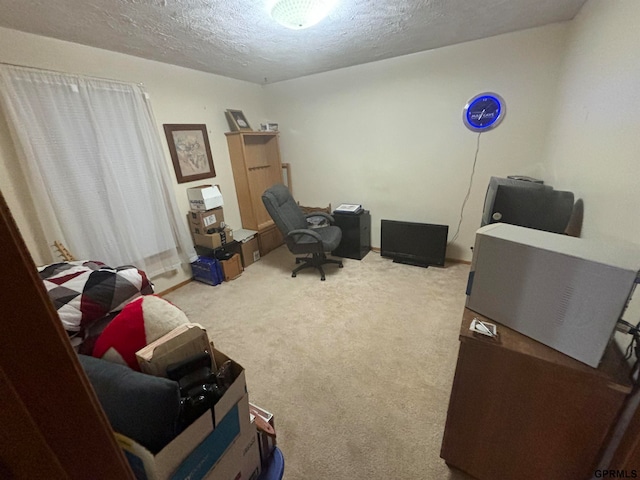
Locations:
(421, 244)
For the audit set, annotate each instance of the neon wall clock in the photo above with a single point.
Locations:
(484, 112)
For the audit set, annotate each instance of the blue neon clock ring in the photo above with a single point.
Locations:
(484, 112)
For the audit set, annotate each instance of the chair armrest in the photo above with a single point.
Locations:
(321, 214)
(304, 231)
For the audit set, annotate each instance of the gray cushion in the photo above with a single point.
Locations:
(330, 236)
(283, 209)
(142, 407)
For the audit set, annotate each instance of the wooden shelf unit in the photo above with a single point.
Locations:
(256, 166)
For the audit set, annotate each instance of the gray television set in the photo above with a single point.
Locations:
(527, 204)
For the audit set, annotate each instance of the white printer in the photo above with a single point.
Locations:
(565, 292)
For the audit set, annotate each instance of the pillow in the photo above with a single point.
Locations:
(92, 332)
(142, 407)
(141, 322)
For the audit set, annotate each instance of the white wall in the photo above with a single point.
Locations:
(594, 145)
(178, 95)
(390, 135)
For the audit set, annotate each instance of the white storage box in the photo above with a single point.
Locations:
(565, 292)
(204, 197)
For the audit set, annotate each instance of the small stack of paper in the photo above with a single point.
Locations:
(349, 208)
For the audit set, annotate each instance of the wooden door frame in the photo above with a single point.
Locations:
(52, 421)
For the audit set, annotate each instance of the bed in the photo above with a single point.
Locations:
(88, 294)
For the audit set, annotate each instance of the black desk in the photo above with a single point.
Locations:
(356, 234)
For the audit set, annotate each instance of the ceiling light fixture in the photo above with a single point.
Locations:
(299, 14)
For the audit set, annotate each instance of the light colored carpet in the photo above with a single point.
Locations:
(357, 369)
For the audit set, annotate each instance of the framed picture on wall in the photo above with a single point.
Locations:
(237, 121)
(190, 151)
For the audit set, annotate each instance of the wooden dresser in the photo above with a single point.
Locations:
(522, 410)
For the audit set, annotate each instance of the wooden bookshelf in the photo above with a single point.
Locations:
(256, 165)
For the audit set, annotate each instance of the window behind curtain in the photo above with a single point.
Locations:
(96, 169)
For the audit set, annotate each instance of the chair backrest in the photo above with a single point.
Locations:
(283, 209)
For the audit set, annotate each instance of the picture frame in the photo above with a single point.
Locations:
(190, 151)
(237, 121)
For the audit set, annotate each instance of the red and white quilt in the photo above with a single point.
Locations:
(83, 292)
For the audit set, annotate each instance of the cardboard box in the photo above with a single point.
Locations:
(202, 221)
(220, 457)
(247, 246)
(214, 240)
(204, 197)
(241, 461)
(193, 453)
(179, 344)
(250, 251)
(232, 268)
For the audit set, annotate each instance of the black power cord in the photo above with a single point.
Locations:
(635, 369)
(632, 348)
(634, 330)
(464, 202)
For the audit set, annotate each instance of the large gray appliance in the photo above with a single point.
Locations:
(564, 292)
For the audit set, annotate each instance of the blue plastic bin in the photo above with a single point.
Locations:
(207, 270)
(275, 468)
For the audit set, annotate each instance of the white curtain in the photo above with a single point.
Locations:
(96, 170)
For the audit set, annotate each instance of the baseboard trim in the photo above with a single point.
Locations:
(175, 287)
(450, 260)
(457, 260)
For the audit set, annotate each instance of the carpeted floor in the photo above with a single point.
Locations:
(357, 369)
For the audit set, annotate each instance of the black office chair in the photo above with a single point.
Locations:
(292, 222)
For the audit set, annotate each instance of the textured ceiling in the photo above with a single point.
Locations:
(238, 39)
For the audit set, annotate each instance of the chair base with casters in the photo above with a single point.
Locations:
(316, 261)
(299, 237)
